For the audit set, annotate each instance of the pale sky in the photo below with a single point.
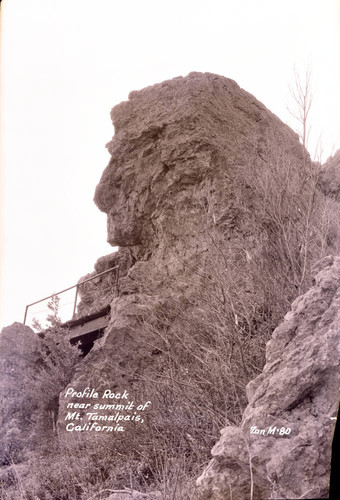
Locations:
(66, 64)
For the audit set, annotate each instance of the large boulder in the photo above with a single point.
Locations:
(283, 447)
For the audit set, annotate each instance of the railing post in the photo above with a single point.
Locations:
(75, 303)
(25, 315)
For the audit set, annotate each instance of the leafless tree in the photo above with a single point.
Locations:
(302, 96)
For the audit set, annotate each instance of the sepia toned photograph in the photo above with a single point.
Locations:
(170, 250)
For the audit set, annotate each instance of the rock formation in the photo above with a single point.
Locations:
(197, 166)
(283, 447)
(207, 195)
(20, 356)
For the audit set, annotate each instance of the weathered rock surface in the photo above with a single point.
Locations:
(19, 357)
(206, 195)
(193, 164)
(171, 137)
(329, 179)
(298, 390)
(96, 294)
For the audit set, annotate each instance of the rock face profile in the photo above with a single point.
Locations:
(172, 137)
(283, 447)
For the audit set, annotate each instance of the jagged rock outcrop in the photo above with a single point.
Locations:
(19, 358)
(208, 196)
(298, 391)
(34, 368)
(172, 137)
(184, 155)
(196, 169)
(329, 178)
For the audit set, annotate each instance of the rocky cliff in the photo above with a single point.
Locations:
(20, 356)
(283, 447)
(217, 220)
(201, 197)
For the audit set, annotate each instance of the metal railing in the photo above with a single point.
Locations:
(70, 288)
